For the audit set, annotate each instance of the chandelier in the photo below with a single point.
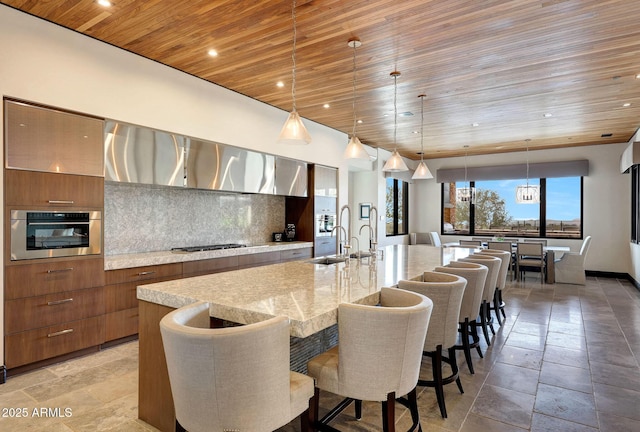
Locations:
(528, 194)
(466, 194)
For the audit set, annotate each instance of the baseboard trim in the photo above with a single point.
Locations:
(613, 275)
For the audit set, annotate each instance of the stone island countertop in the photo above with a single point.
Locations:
(307, 293)
(115, 262)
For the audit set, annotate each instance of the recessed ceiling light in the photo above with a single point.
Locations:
(606, 135)
(638, 76)
(326, 106)
(547, 115)
(416, 132)
(360, 122)
(475, 124)
(280, 84)
(405, 114)
(105, 3)
(626, 104)
(212, 53)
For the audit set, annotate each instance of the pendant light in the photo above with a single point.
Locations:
(395, 162)
(466, 194)
(293, 131)
(355, 149)
(422, 172)
(528, 194)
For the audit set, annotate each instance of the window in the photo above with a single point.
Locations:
(397, 207)
(496, 213)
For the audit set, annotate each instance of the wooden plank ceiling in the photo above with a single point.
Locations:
(501, 65)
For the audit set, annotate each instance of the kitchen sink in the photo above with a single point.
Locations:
(328, 260)
(362, 255)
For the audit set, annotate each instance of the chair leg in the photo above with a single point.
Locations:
(358, 407)
(436, 364)
(413, 409)
(483, 322)
(179, 427)
(476, 338)
(389, 413)
(496, 307)
(453, 362)
(314, 406)
(501, 303)
(305, 421)
(466, 345)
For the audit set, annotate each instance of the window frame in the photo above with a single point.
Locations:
(543, 211)
(396, 207)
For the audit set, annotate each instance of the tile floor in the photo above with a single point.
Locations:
(566, 359)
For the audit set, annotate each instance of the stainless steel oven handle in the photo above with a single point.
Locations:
(58, 223)
(145, 273)
(60, 333)
(57, 302)
(60, 270)
(69, 202)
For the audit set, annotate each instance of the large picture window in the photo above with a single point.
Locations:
(397, 207)
(495, 212)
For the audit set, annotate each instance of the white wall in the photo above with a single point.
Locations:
(606, 202)
(48, 64)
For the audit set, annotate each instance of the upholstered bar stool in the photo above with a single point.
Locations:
(507, 247)
(498, 304)
(378, 356)
(476, 275)
(234, 378)
(493, 264)
(446, 292)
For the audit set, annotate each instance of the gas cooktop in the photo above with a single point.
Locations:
(208, 247)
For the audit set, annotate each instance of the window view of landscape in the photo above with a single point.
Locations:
(496, 212)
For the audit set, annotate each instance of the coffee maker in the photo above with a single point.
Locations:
(290, 232)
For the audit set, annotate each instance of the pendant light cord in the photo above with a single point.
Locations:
(354, 89)
(293, 56)
(422, 129)
(395, 110)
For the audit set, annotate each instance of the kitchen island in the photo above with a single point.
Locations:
(307, 293)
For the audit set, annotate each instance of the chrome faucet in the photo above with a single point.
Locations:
(371, 234)
(357, 247)
(342, 209)
(373, 242)
(344, 231)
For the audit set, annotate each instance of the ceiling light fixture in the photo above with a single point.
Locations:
(293, 131)
(355, 149)
(395, 162)
(212, 53)
(466, 194)
(422, 172)
(105, 3)
(528, 194)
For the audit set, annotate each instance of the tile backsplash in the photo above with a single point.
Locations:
(141, 218)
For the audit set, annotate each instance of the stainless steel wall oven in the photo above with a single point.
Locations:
(48, 234)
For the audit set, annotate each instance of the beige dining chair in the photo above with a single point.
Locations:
(234, 378)
(470, 243)
(435, 239)
(377, 359)
(530, 240)
(490, 285)
(476, 275)
(570, 267)
(498, 303)
(446, 292)
(530, 255)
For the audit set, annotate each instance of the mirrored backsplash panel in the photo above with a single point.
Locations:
(143, 218)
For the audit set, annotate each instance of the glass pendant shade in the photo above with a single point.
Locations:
(422, 172)
(395, 163)
(355, 150)
(293, 131)
(466, 194)
(528, 194)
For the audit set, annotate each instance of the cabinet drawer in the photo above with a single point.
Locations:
(214, 265)
(123, 296)
(28, 280)
(258, 259)
(325, 246)
(295, 254)
(135, 274)
(41, 311)
(47, 342)
(121, 324)
(47, 190)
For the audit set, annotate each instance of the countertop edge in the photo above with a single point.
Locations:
(116, 262)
